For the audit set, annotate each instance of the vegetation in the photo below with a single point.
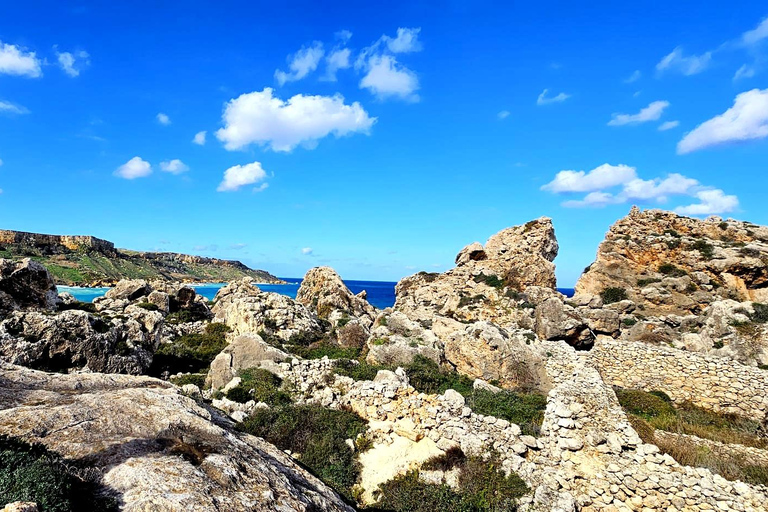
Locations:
(523, 409)
(184, 316)
(706, 249)
(191, 352)
(613, 294)
(32, 473)
(482, 487)
(148, 306)
(670, 270)
(490, 280)
(80, 306)
(628, 321)
(760, 313)
(260, 385)
(324, 348)
(198, 379)
(645, 281)
(316, 436)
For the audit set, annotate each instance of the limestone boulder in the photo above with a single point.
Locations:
(323, 292)
(129, 289)
(245, 351)
(26, 284)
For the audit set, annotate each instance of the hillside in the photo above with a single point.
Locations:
(90, 261)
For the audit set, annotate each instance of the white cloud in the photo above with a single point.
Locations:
(604, 176)
(387, 78)
(73, 63)
(174, 166)
(15, 61)
(609, 184)
(199, 138)
(668, 125)
(756, 35)
(544, 100)
(407, 41)
(241, 175)
(650, 113)
(163, 119)
(134, 168)
(747, 119)
(1, 162)
(306, 251)
(711, 202)
(260, 118)
(687, 65)
(343, 35)
(238, 247)
(336, 60)
(301, 63)
(503, 114)
(12, 109)
(744, 72)
(634, 77)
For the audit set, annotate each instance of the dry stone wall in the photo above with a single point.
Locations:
(715, 383)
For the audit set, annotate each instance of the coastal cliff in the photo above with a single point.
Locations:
(91, 261)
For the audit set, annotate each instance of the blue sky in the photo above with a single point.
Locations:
(377, 141)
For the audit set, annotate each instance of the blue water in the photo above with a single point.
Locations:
(381, 294)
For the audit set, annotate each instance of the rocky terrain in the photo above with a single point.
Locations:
(90, 261)
(483, 388)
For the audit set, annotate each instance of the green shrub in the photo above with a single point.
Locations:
(672, 233)
(673, 244)
(723, 225)
(317, 435)
(760, 313)
(260, 385)
(670, 270)
(490, 280)
(447, 461)
(32, 473)
(184, 316)
(613, 294)
(629, 321)
(324, 348)
(198, 379)
(706, 249)
(645, 281)
(304, 338)
(523, 409)
(358, 371)
(190, 352)
(81, 306)
(645, 405)
(427, 377)
(148, 306)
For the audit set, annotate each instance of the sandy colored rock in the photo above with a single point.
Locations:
(323, 291)
(245, 351)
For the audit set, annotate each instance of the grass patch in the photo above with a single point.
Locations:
(79, 306)
(523, 409)
(260, 385)
(317, 436)
(490, 280)
(358, 371)
(32, 473)
(198, 379)
(427, 377)
(613, 294)
(482, 486)
(191, 352)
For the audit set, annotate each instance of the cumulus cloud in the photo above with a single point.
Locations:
(336, 60)
(199, 138)
(544, 99)
(503, 114)
(301, 63)
(650, 113)
(687, 65)
(174, 166)
(747, 119)
(134, 168)
(260, 118)
(10, 108)
(744, 71)
(618, 184)
(387, 78)
(73, 63)
(756, 35)
(668, 125)
(163, 119)
(604, 176)
(406, 41)
(634, 77)
(15, 61)
(241, 175)
(306, 251)
(711, 202)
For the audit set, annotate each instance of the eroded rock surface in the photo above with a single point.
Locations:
(323, 291)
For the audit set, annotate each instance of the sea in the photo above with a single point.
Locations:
(381, 294)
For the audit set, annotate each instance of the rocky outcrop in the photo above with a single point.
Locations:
(395, 339)
(155, 448)
(323, 291)
(246, 309)
(245, 351)
(25, 284)
(672, 264)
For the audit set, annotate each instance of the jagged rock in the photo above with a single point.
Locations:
(674, 264)
(129, 289)
(156, 449)
(26, 284)
(323, 292)
(246, 309)
(472, 252)
(484, 351)
(20, 506)
(396, 339)
(245, 351)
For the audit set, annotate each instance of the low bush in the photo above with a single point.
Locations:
(670, 270)
(198, 379)
(490, 280)
(184, 316)
(358, 370)
(760, 313)
(613, 294)
(706, 249)
(317, 438)
(80, 306)
(645, 281)
(190, 352)
(148, 306)
(324, 348)
(427, 377)
(260, 385)
(32, 473)
(523, 409)
(628, 321)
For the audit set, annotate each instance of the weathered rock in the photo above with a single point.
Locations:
(396, 339)
(245, 351)
(25, 284)
(129, 289)
(157, 449)
(20, 506)
(323, 292)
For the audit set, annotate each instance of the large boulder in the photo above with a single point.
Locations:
(26, 284)
(154, 448)
(323, 292)
(245, 351)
